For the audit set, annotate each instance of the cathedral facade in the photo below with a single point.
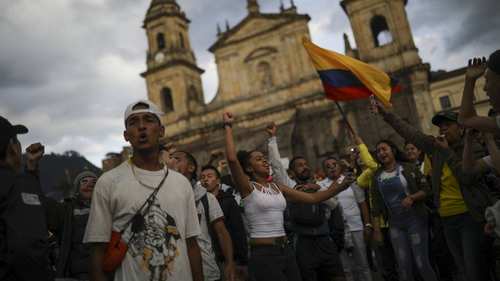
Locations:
(265, 75)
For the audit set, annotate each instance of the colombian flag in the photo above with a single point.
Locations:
(345, 78)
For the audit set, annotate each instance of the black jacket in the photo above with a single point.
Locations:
(234, 224)
(24, 251)
(68, 221)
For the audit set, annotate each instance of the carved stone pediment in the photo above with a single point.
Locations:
(255, 25)
(260, 53)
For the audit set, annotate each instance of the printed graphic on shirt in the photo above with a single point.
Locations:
(155, 248)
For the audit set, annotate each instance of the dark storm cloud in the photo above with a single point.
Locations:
(461, 26)
(68, 68)
(481, 24)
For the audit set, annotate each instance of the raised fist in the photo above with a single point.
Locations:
(271, 129)
(376, 107)
(228, 118)
(476, 68)
(34, 153)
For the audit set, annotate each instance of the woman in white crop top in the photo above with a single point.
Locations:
(264, 202)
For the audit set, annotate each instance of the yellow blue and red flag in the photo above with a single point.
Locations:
(345, 78)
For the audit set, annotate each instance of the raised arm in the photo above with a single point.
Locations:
(240, 178)
(470, 165)
(316, 197)
(364, 154)
(280, 174)
(493, 150)
(482, 123)
(34, 154)
(371, 166)
(475, 70)
(366, 157)
(422, 141)
(468, 117)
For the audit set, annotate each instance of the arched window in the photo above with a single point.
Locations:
(166, 98)
(192, 93)
(181, 40)
(160, 41)
(265, 75)
(380, 30)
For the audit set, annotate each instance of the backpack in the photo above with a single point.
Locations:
(211, 232)
(312, 215)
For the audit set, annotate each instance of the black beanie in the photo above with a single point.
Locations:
(494, 62)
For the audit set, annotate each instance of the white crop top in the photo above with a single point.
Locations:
(264, 211)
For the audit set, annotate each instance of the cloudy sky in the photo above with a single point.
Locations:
(68, 68)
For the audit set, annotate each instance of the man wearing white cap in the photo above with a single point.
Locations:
(143, 221)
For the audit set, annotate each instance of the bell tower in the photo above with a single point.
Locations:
(384, 38)
(382, 33)
(173, 78)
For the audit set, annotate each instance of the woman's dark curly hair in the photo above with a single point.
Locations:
(244, 159)
(398, 154)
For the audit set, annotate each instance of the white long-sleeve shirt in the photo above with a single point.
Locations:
(280, 174)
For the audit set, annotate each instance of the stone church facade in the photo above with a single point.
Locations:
(265, 76)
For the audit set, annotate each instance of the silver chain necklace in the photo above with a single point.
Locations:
(139, 181)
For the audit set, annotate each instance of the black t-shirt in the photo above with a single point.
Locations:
(23, 228)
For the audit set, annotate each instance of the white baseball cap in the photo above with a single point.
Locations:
(148, 107)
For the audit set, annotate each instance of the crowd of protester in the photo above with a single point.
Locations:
(426, 212)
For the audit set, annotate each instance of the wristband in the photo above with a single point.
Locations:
(225, 124)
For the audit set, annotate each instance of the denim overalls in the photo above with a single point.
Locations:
(408, 230)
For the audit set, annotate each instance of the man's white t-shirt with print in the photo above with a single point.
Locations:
(159, 252)
(210, 268)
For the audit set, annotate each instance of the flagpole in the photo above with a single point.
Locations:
(351, 130)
